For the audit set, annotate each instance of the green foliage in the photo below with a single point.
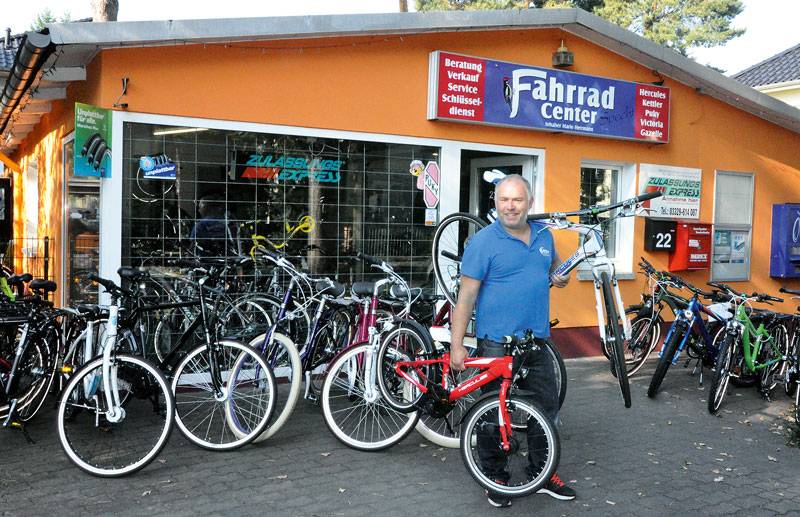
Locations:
(676, 24)
(46, 17)
(470, 5)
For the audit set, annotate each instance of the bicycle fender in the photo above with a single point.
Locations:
(426, 335)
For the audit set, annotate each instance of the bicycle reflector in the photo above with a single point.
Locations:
(66, 369)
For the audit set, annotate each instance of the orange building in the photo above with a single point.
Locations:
(306, 129)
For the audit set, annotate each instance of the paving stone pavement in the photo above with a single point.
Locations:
(664, 456)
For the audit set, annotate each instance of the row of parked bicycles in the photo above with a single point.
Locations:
(724, 332)
(226, 360)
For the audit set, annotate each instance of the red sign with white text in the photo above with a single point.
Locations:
(461, 82)
(652, 113)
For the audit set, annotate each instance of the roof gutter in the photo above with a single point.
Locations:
(34, 49)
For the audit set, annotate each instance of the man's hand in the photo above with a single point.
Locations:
(457, 356)
(559, 280)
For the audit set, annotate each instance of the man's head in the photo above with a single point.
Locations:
(513, 199)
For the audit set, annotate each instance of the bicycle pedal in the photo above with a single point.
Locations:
(312, 399)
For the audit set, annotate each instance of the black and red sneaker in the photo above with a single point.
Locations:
(558, 489)
(497, 500)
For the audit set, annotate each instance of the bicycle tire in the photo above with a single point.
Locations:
(33, 380)
(520, 475)
(361, 425)
(452, 235)
(722, 371)
(331, 339)
(145, 428)
(797, 404)
(645, 335)
(244, 319)
(283, 358)
(771, 373)
(792, 374)
(446, 431)
(559, 369)
(666, 358)
(612, 325)
(171, 325)
(207, 418)
(402, 343)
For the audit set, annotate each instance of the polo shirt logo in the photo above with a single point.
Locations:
(544, 251)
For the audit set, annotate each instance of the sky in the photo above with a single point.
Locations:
(771, 24)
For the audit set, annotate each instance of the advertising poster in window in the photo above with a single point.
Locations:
(722, 247)
(679, 186)
(92, 141)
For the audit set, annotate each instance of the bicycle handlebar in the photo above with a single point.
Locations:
(451, 256)
(596, 209)
(790, 291)
(369, 259)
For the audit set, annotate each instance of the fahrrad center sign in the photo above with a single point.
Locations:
(483, 91)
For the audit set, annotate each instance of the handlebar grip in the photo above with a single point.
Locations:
(369, 259)
(649, 195)
(451, 256)
(546, 215)
(513, 339)
(108, 284)
(789, 291)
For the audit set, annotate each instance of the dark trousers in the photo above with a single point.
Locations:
(540, 386)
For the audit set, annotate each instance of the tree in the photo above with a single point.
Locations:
(470, 5)
(47, 16)
(676, 24)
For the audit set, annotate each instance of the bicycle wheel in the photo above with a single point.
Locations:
(613, 332)
(244, 401)
(112, 449)
(171, 325)
(33, 378)
(402, 344)
(645, 334)
(722, 372)
(353, 408)
(792, 374)
(664, 362)
(331, 339)
(560, 370)
(245, 319)
(534, 449)
(451, 237)
(776, 355)
(283, 358)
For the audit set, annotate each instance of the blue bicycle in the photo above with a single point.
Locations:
(690, 327)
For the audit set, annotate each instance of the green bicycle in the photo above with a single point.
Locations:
(746, 348)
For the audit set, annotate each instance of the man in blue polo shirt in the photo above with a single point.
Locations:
(506, 269)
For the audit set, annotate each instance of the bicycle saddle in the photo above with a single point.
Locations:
(334, 289)
(363, 288)
(129, 273)
(47, 286)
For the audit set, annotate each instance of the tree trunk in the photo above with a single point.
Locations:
(105, 10)
(403, 6)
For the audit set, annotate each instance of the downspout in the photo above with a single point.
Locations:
(34, 49)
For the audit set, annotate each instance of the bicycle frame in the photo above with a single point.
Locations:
(592, 250)
(491, 368)
(760, 334)
(693, 316)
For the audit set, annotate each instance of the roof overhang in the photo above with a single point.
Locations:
(80, 42)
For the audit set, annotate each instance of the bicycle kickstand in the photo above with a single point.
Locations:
(14, 423)
(699, 364)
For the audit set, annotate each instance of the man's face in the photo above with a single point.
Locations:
(512, 204)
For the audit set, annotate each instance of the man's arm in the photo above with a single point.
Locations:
(558, 280)
(462, 313)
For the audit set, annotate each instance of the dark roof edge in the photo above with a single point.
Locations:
(771, 58)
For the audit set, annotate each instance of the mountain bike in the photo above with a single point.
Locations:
(764, 349)
(508, 443)
(691, 328)
(615, 331)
